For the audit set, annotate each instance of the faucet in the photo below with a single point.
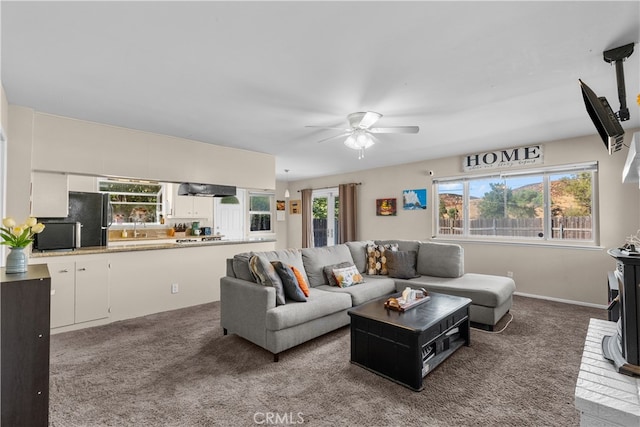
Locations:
(135, 231)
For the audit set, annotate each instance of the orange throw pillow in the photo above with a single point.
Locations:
(301, 282)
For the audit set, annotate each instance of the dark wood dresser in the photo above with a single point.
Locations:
(24, 347)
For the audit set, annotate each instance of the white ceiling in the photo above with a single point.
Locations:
(473, 75)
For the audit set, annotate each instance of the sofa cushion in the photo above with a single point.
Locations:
(347, 276)
(287, 256)
(483, 289)
(402, 264)
(315, 259)
(289, 282)
(440, 260)
(328, 272)
(318, 305)
(359, 253)
(373, 287)
(267, 276)
(377, 259)
(301, 281)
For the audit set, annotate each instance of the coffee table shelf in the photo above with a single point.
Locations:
(405, 346)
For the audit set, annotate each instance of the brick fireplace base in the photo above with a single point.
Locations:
(603, 396)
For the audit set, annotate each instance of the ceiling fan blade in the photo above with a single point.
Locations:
(396, 129)
(334, 137)
(363, 120)
(327, 127)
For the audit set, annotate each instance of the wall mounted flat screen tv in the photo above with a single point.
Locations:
(603, 118)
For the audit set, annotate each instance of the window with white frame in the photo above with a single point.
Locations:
(134, 200)
(261, 212)
(553, 205)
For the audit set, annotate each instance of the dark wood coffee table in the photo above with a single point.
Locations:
(406, 346)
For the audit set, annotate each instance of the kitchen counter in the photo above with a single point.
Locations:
(140, 245)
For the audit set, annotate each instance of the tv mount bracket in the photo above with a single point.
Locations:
(618, 55)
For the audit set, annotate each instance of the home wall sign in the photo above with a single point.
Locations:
(507, 158)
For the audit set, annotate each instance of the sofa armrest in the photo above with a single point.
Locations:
(243, 308)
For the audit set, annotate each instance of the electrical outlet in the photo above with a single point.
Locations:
(510, 274)
(174, 288)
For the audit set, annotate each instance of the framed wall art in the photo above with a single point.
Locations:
(386, 207)
(295, 206)
(414, 199)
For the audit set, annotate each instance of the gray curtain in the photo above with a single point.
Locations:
(348, 212)
(307, 218)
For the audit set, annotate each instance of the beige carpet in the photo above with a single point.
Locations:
(177, 369)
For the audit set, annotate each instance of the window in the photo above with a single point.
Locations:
(554, 204)
(133, 200)
(260, 212)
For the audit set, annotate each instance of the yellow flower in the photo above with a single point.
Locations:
(37, 228)
(19, 236)
(638, 99)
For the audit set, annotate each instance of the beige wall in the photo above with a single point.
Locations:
(4, 110)
(573, 274)
(44, 142)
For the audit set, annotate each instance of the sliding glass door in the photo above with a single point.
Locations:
(325, 217)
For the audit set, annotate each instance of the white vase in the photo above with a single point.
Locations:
(16, 261)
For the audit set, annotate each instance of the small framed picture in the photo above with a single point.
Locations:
(386, 207)
(414, 199)
(295, 206)
(280, 205)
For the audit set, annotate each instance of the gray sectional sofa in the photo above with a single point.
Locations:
(250, 309)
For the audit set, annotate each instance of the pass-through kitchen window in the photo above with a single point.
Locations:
(134, 201)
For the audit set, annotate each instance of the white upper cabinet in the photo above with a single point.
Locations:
(191, 207)
(49, 195)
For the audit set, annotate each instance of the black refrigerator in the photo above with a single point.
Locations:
(92, 210)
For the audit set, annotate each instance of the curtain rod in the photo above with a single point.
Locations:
(331, 186)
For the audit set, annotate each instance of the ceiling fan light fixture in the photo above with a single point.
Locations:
(359, 140)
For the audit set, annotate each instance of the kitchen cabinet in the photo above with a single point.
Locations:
(49, 195)
(24, 345)
(79, 291)
(190, 206)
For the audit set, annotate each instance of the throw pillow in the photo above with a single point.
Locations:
(347, 276)
(289, 282)
(301, 282)
(402, 264)
(377, 259)
(328, 272)
(267, 276)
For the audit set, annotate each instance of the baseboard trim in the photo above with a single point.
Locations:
(566, 301)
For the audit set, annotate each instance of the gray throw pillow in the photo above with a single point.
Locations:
(241, 267)
(402, 264)
(328, 272)
(267, 276)
(289, 282)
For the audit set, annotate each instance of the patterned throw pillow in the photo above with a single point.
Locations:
(328, 272)
(347, 276)
(267, 276)
(376, 258)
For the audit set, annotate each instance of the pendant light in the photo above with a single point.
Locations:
(286, 191)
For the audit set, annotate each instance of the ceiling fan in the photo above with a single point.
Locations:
(359, 134)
